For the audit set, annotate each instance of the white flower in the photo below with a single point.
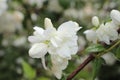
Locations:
(106, 33)
(3, 6)
(115, 15)
(95, 21)
(91, 35)
(109, 58)
(60, 44)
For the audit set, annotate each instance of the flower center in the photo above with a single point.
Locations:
(46, 41)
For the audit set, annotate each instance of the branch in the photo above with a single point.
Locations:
(81, 66)
(89, 59)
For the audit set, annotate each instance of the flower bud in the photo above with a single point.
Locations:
(115, 16)
(48, 23)
(95, 21)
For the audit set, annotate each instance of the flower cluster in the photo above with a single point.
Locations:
(60, 44)
(104, 32)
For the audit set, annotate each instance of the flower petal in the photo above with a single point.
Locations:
(91, 35)
(38, 30)
(48, 23)
(57, 72)
(115, 15)
(54, 43)
(43, 63)
(59, 61)
(35, 39)
(69, 28)
(64, 52)
(38, 50)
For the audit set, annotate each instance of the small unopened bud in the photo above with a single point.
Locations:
(48, 23)
(95, 21)
(115, 16)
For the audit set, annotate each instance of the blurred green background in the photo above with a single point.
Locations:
(17, 19)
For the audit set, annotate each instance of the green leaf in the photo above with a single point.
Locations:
(97, 63)
(117, 52)
(29, 72)
(94, 48)
(65, 3)
(43, 78)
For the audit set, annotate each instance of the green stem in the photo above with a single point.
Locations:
(109, 49)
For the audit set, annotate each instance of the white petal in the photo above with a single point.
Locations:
(69, 27)
(48, 23)
(43, 63)
(57, 72)
(35, 39)
(56, 41)
(72, 44)
(59, 61)
(50, 32)
(53, 41)
(110, 28)
(38, 50)
(38, 30)
(115, 15)
(91, 35)
(64, 52)
(107, 32)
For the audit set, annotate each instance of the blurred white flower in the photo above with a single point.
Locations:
(34, 17)
(115, 15)
(53, 5)
(81, 43)
(88, 10)
(5, 42)
(71, 12)
(95, 21)
(109, 58)
(18, 15)
(10, 22)
(61, 43)
(19, 41)
(38, 3)
(2, 53)
(3, 6)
